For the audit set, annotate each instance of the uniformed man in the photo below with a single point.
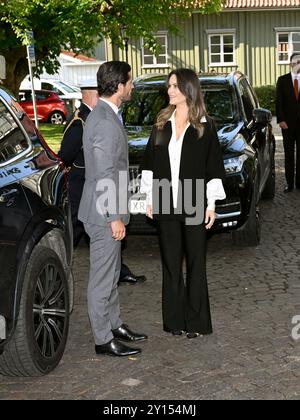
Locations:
(71, 153)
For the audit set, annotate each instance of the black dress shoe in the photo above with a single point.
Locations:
(288, 189)
(132, 279)
(115, 348)
(124, 333)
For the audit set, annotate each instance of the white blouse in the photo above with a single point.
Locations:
(214, 188)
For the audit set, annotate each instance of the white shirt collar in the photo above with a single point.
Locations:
(90, 108)
(295, 76)
(172, 118)
(113, 106)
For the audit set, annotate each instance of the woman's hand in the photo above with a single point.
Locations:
(210, 217)
(149, 211)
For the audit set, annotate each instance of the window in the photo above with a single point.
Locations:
(287, 44)
(149, 59)
(248, 99)
(221, 49)
(12, 140)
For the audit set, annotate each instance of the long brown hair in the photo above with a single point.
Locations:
(189, 85)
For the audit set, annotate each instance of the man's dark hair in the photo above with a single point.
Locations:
(110, 74)
(294, 55)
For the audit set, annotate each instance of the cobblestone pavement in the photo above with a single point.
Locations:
(254, 295)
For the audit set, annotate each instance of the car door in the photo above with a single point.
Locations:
(14, 208)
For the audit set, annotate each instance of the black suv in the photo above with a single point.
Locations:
(36, 286)
(246, 138)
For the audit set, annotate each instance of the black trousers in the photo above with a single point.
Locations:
(291, 138)
(185, 303)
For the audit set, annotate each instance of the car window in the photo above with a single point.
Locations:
(42, 95)
(220, 102)
(67, 88)
(12, 139)
(50, 86)
(144, 106)
(247, 98)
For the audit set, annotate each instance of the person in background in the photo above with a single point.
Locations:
(71, 153)
(288, 118)
(104, 208)
(184, 146)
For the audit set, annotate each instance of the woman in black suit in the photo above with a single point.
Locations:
(183, 153)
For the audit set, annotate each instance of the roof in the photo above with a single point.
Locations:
(266, 4)
(78, 57)
(255, 4)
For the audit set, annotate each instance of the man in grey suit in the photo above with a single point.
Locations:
(103, 208)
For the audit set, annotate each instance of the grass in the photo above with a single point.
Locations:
(53, 134)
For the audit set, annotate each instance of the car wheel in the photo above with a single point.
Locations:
(269, 189)
(249, 233)
(39, 339)
(57, 117)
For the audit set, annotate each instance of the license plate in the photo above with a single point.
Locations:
(137, 204)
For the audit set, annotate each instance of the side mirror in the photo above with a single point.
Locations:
(262, 116)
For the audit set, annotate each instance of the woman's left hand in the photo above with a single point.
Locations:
(210, 217)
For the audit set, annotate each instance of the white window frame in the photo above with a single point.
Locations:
(289, 32)
(166, 55)
(221, 34)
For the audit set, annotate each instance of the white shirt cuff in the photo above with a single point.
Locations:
(214, 191)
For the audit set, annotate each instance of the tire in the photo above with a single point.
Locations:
(269, 189)
(249, 233)
(39, 339)
(56, 117)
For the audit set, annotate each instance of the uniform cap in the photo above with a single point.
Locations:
(88, 84)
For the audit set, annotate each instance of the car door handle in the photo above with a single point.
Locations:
(7, 195)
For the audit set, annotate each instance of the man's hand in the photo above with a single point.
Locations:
(118, 230)
(210, 217)
(283, 125)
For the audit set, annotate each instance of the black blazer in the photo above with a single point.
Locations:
(201, 159)
(287, 107)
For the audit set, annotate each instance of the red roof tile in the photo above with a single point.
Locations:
(243, 4)
(80, 57)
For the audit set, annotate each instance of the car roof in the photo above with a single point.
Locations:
(205, 78)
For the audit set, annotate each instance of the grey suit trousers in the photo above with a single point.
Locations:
(103, 297)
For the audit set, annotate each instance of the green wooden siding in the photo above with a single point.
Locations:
(255, 44)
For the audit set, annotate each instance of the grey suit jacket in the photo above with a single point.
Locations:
(105, 146)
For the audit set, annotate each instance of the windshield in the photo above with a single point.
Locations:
(220, 102)
(147, 101)
(68, 88)
(144, 106)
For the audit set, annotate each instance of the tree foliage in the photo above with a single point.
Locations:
(77, 24)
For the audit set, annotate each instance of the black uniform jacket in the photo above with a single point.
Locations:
(201, 159)
(71, 152)
(287, 106)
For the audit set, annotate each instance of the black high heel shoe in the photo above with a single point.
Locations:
(193, 335)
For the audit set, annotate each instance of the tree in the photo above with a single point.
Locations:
(78, 24)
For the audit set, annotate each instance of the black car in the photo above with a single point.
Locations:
(36, 286)
(246, 138)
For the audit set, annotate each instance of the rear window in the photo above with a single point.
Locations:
(12, 139)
